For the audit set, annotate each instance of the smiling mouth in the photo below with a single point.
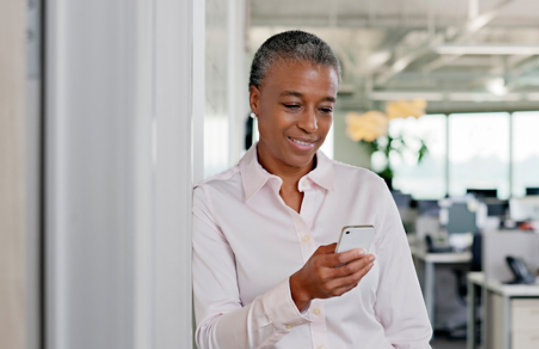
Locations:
(302, 144)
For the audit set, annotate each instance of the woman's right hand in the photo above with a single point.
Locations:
(328, 274)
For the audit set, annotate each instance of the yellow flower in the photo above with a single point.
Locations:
(367, 126)
(404, 109)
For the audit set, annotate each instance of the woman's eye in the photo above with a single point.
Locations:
(326, 110)
(291, 106)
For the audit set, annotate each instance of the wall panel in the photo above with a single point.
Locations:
(13, 282)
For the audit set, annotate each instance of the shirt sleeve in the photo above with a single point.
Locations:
(222, 320)
(399, 303)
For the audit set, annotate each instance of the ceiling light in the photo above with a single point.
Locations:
(377, 59)
(483, 97)
(401, 95)
(460, 50)
(497, 86)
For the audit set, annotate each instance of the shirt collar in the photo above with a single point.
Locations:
(323, 174)
(254, 176)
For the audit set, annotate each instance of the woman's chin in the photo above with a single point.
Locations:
(300, 161)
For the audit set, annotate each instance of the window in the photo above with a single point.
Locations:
(479, 152)
(426, 180)
(525, 151)
(216, 148)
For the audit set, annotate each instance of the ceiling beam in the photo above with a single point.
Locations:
(462, 96)
(497, 49)
(473, 25)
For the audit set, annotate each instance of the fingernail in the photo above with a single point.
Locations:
(361, 252)
(371, 258)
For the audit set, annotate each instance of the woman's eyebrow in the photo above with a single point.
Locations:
(298, 94)
(290, 93)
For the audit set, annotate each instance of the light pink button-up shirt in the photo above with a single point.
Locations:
(247, 242)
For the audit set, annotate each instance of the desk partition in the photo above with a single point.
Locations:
(499, 244)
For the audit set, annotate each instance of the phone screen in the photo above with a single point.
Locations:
(356, 236)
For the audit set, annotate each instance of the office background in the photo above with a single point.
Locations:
(111, 110)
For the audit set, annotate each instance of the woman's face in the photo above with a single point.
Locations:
(294, 106)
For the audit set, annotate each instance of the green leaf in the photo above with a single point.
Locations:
(423, 150)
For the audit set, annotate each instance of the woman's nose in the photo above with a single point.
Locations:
(308, 121)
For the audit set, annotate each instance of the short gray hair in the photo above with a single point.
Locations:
(291, 45)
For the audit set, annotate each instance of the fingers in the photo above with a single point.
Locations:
(332, 259)
(352, 267)
(329, 274)
(337, 280)
(345, 283)
(332, 287)
(337, 259)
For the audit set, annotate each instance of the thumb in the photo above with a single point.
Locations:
(326, 249)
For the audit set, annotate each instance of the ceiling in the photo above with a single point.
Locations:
(459, 55)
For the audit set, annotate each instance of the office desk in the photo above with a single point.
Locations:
(430, 260)
(510, 314)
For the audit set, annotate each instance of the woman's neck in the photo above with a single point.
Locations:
(290, 175)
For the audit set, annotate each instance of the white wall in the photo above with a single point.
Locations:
(119, 106)
(226, 81)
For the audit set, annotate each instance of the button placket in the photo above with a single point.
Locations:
(303, 222)
(318, 325)
(304, 237)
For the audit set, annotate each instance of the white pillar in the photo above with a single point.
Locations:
(119, 108)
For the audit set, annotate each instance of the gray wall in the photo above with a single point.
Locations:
(13, 283)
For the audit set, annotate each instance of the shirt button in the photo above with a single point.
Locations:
(305, 238)
(316, 311)
(288, 326)
(320, 347)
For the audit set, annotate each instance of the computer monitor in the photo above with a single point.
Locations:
(460, 219)
(524, 209)
(482, 193)
(532, 191)
(402, 200)
(428, 208)
(496, 208)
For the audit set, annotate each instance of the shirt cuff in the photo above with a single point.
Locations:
(281, 310)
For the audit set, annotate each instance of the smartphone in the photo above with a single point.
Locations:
(356, 236)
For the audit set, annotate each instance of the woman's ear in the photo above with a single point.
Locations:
(254, 99)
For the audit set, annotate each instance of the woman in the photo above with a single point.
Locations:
(265, 274)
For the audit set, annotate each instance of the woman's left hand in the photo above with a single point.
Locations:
(328, 274)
